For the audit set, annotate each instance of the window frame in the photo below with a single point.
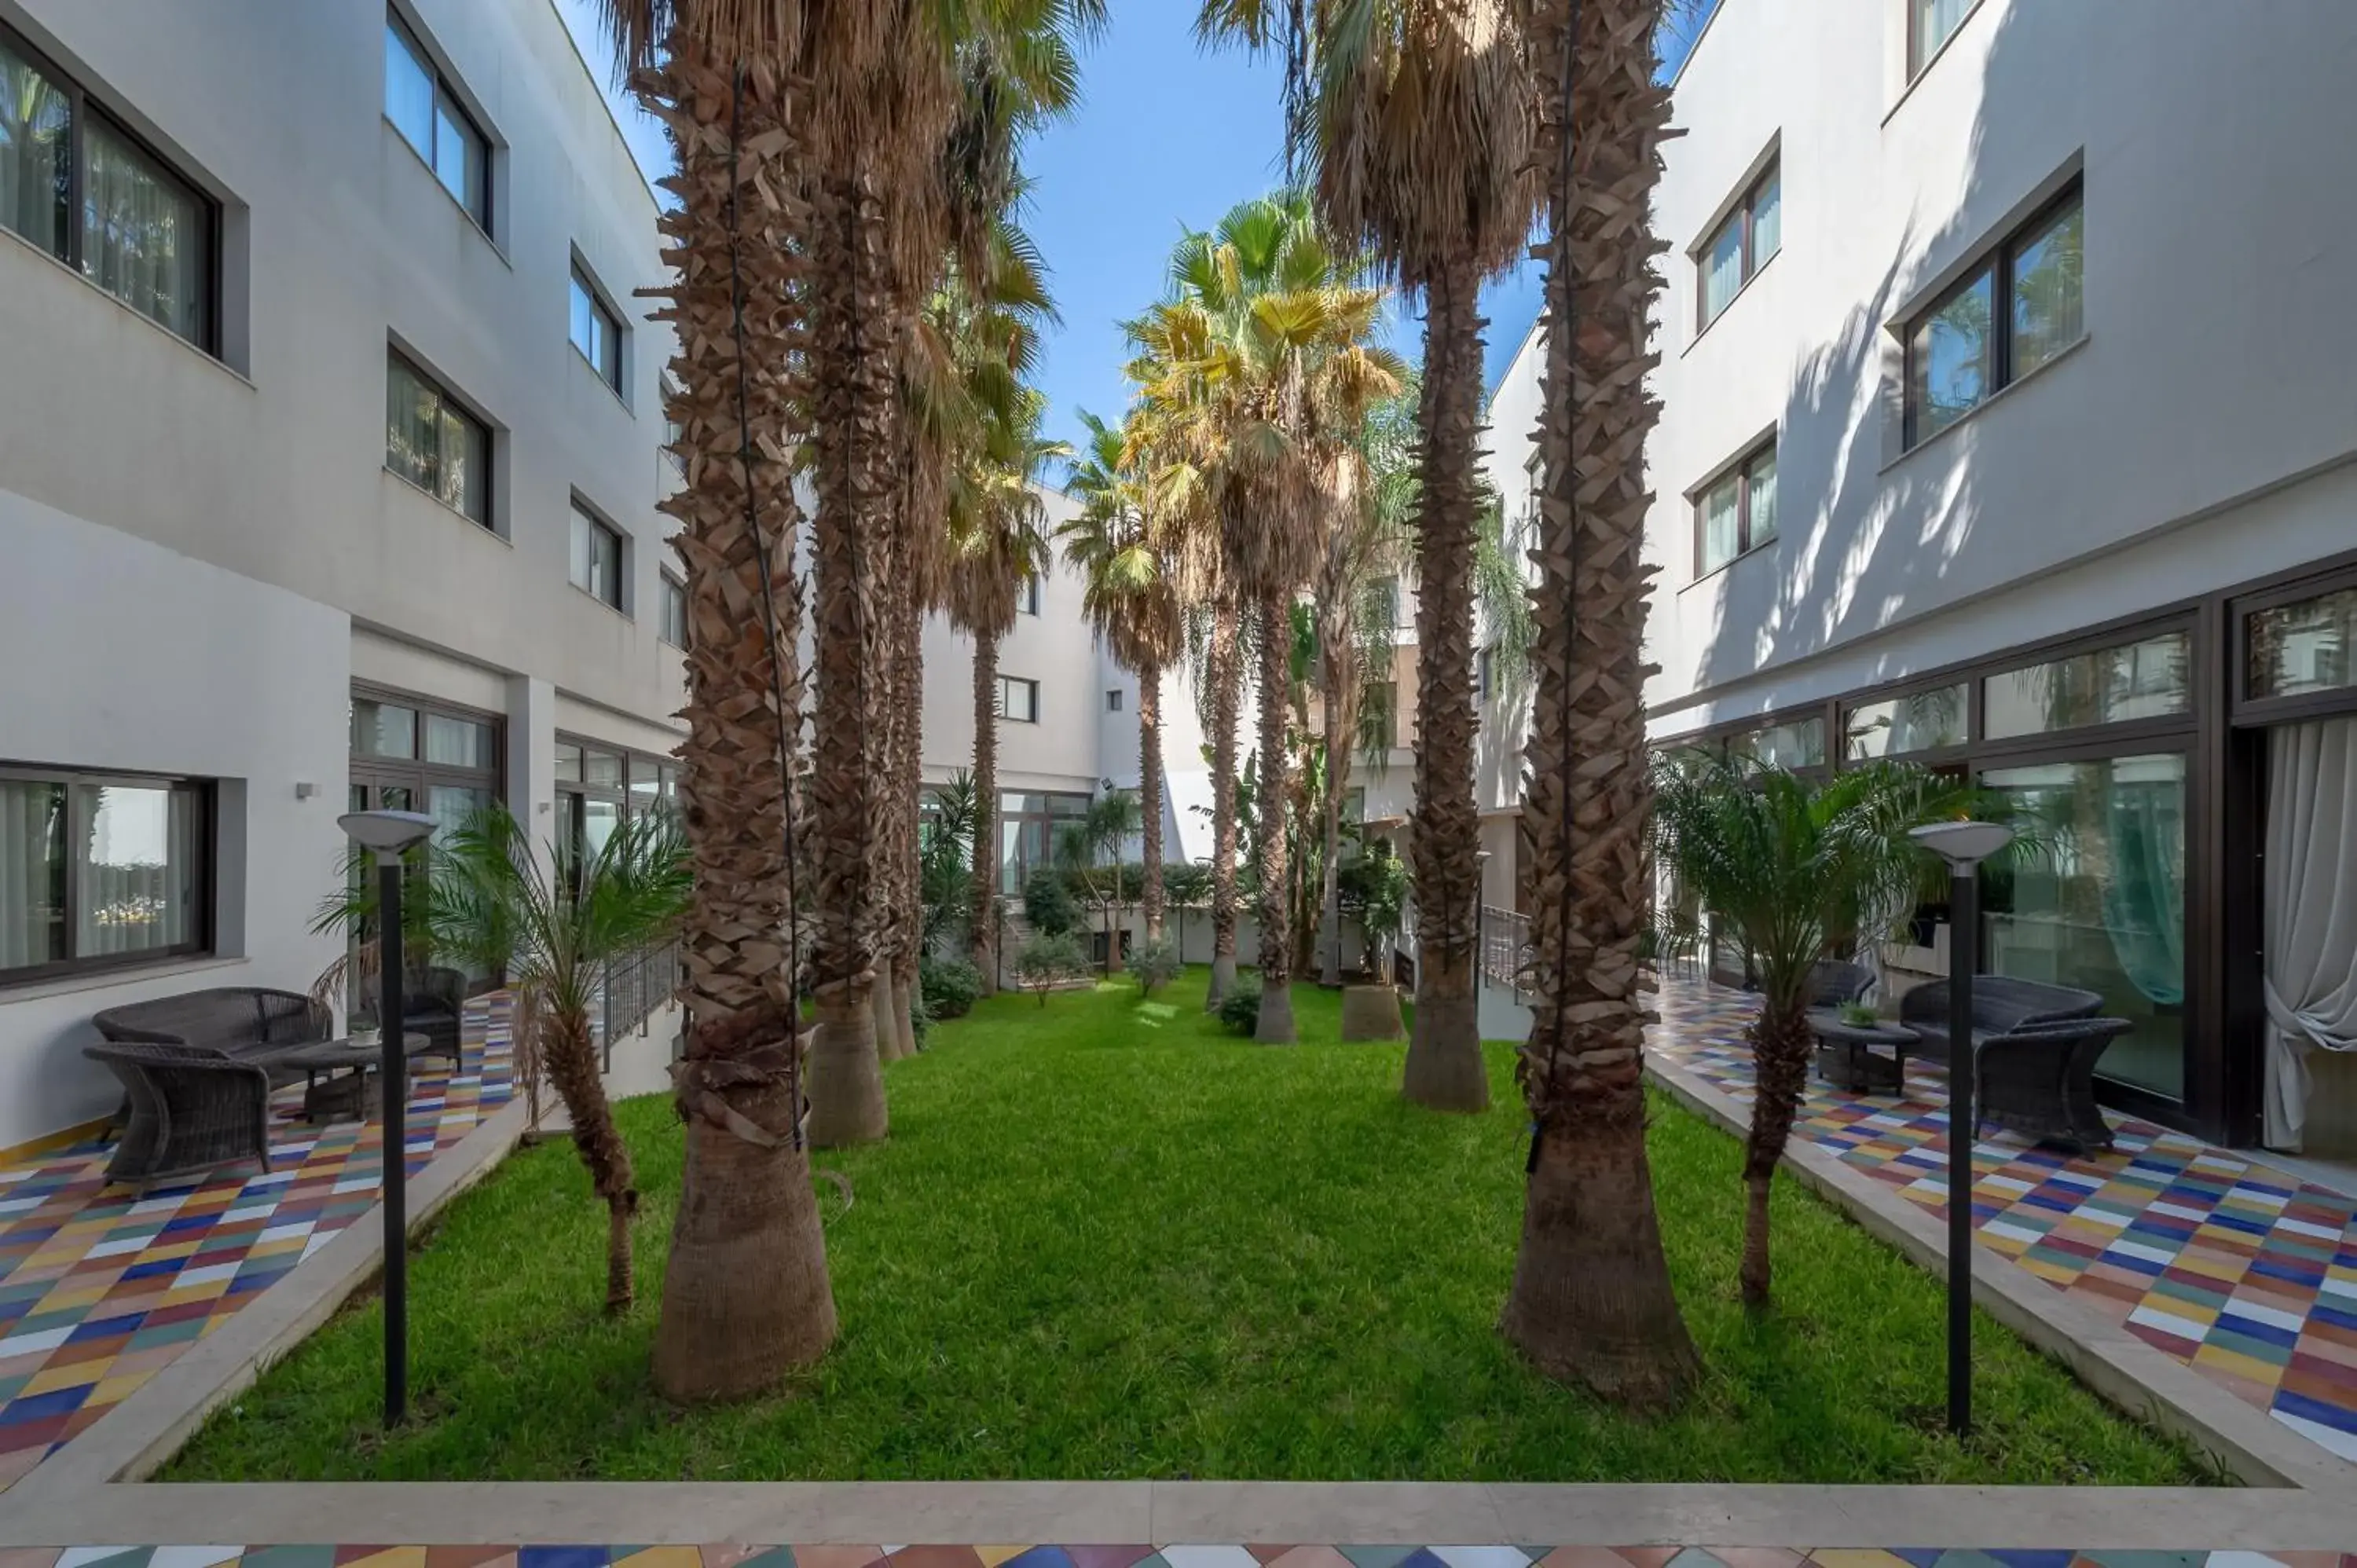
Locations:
(1996, 263)
(82, 107)
(451, 402)
(1744, 209)
(1008, 683)
(444, 91)
(1028, 596)
(584, 512)
(1740, 471)
(201, 942)
(603, 314)
(1115, 700)
(674, 593)
(1920, 58)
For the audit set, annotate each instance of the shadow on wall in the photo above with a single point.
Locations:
(1861, 550)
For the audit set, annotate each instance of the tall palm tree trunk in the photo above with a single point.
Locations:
(1341, 705)
(1226, 673)
(746, 1295)
(985, 890)
(1444, 1053)
(852, 370)
(910, 777)
(1782, 1041)
(571, 1055)
(1592, 1300)
(1276, 1026)
(885, 680)
(1149, 797)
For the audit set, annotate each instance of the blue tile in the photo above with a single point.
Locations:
(33, 1407)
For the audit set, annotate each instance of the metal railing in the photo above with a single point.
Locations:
(634, 986)
(1505, 947)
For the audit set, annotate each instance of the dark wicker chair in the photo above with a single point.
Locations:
(430, 1007)
(189, 1109)
(2000, 1005)
(242, 1022)
(1832, 984)
(2038, 1080)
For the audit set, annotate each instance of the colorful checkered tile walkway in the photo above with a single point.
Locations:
(2242, 1272)
(1205, 1556)
(101, 1286)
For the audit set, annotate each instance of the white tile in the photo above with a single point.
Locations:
(193, 1556)
(117, 1246)
(2015, 1232)
(2340, 1286)
(287, 1232)
(2109, 1218)
(19, 1205)
(2170, 1323)
(2296, 1227)
(158, 1206)
(205, 1275)
(355, 1184)
(1209, 1557)
(26, 1344)
(251, 1211)
(2274, 1317)
(2179, 1211)
(2138, 1250)
(315, 1243)
(2331, 1439)
(1483, 1556)
(2255, 1199)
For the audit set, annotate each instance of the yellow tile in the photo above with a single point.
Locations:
(392, 1557)
(114, 1391)
(2212, 1265)
(51, 1378)
(168, 1250)
(2240, 1365)
(992, 1556)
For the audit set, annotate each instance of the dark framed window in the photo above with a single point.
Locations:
(102, 871)
(2301, 648)
(2020, 306)
(434, 443)
(1752, 233)
(1796, 745)
(1019, 700)
(1939, 719)
(1929, 25)
(2151, 677)
(77, 184)
(1484, 673)
(1735, 513)
(1028, 597)
(673, 625)
(421, 107)
(596, 330)
(1112, 701)
(594, 562)
(1028, 826)
(597, 786)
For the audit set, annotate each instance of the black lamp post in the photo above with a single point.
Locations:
(1964, 845)
(388, 835)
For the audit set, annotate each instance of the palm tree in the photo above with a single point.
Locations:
(1592, 1300)
(1799, 874)
(746, 1294)
(996, 545)
(1130, 595)
(1418, 118)
(491, 901)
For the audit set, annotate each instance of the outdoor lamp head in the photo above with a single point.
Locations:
(1962, 844)
(387, 832)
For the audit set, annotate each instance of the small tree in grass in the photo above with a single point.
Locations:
(1047, 905)
(1047, 961)
(1154, 963)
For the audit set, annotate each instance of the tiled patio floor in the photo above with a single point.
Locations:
(2245, 1273)
(100, 1287)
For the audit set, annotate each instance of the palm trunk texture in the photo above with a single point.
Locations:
(985, 810)
(1226, 672)
(1780, 1043)
(1591, 1301)
(571, 1055)
(746, 1297)
(1276, 1026)
(852, 371)
(1445, 1070)
(1149, 796)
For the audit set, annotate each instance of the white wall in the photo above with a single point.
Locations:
(119, 654)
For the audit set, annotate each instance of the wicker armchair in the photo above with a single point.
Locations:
(1832, 984)
(2038, 1080)
(189, 1109)
(430, 1004)
(2000, 1005)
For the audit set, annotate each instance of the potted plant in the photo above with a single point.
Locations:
(1371, 1010)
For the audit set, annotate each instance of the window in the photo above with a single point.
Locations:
(2017, 309)
(673, 628)
(1735, 513)
(1742, 243)
(99, 872)
(1028, 597)
(1797, 742)
(596, 331)
(434, 444)
(2144, 680)
(596, 566)
(79, 186)
(1028, 827)
(1929, 25)
(1922, 721)
(1484, 671)
(419, 102)
(2308, 646)
(1112, 701)
(1019, 700)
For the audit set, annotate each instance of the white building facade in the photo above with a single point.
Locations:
(2007, 428)
(330, 440)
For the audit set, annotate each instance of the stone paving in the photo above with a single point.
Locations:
(2241, 1272)
(101, 1286)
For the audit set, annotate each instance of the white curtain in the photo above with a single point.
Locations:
(31, 841)
(143, 238)
(2311, 911)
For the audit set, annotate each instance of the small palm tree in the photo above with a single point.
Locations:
(1796, 873)
(491, 901)
(1091, 850)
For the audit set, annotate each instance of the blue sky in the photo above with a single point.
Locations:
(1166, 137)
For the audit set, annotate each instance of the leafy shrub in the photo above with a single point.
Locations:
(1046, 960)
(1241, 1010)
(920, 1016)
(1154, 963)
(950, 986)
(1048, 904)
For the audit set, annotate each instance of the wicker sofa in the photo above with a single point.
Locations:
(2000, 1005)
(197, 1073)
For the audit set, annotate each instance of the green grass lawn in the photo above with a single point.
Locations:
(1105, 1241)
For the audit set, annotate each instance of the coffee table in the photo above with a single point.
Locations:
(1846, 1057)
(350, 1089)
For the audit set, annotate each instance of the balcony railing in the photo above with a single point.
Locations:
(634, 987)
(1505, 948)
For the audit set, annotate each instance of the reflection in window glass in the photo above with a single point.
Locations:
(2311, 646)
(144, 234)
(1722, 267)
(383, 729)
(2135, 681)
(1950, 358)
(2101, 905)
(1932, 23)
(35, 155)
(138, 883)
(32, 873)
(2047, 276)
(1921, 721)
(408, 91)
(458, 743)
(1799, 743)
(601, 769)
(1722, 535)
(1760, 521)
